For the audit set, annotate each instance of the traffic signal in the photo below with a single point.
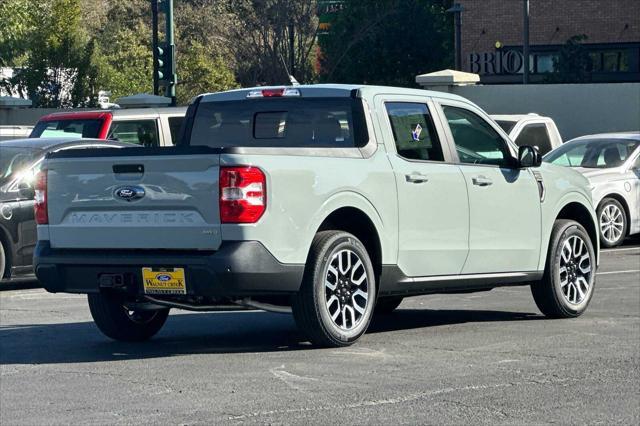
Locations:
(163, 66)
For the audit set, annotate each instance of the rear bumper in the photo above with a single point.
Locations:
(237, 269)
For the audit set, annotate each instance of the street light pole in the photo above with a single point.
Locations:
(457, 12)
(525, 44)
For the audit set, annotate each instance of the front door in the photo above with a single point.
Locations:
(432, 195)
(504, 200)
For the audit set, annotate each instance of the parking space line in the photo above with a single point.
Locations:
(618, 272)
(619, 249)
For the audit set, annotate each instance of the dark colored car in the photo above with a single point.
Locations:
(20, 160)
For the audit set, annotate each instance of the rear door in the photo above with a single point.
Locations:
(432, 195)
(134, 199)
(504, 201)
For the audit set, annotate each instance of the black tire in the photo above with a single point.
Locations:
(118, 323)
(549, 293)
(310, 306)
(386, 305)
(3, 262)
(604, 205)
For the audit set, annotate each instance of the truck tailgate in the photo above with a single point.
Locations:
(134, 198)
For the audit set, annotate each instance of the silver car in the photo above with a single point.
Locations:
(611, 162)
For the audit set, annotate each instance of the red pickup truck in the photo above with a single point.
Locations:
(151, 127)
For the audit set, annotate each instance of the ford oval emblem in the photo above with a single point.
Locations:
(130, 193)
(163, 278)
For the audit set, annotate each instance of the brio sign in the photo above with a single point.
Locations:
(498, 62)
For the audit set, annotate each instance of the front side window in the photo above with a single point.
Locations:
(535, 135)
(414, 132)
(476, 141)
(138, 132)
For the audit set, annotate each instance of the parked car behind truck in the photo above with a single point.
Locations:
(20, 160)
(611, 162)
(149, 127)
(329, 200)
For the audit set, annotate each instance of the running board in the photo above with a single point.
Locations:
(394, 282)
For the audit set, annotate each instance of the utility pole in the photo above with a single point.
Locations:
(525, 44)
(164, 61)
(292, 46)
(457, 12)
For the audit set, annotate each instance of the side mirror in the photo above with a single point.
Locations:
(25, 190)
(529, 156)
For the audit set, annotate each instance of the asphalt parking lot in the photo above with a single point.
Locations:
(476, 358)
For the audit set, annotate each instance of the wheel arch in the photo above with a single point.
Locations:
(575, 210)
(8, 251)
(357, 222)
(619, 198)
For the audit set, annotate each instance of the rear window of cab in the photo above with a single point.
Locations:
(281, 122)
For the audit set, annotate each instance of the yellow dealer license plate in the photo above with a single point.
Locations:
(164, 281)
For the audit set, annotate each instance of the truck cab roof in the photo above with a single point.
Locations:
(325, 90)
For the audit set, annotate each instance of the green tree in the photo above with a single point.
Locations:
(259, 37)
(199, 72)
(55, 63)
(387, 42)
(573, 64)
(124, 57)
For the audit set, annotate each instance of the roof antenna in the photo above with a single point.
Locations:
(292, 79)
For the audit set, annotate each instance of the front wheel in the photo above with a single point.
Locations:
(3, 262)
(335, 302)
(613, 222)
(120, 323)
(570, 274)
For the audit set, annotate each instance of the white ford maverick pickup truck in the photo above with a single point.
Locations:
(333, 202)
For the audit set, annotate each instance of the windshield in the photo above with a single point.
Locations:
(593, 153)
(67, 128)
(15, 160)
(287, 123)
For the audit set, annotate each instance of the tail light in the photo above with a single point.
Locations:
(40, 206)
(243, 194)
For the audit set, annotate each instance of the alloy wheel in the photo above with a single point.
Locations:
(346, 289)
(611, 223)
(575, 270)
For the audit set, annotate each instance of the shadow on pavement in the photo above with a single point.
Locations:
(214, 333)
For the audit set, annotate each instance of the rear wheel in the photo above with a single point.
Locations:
(3, 262)
(335, 303)
(386, 305)
(569, 277)
(119, 323)
(613, 222)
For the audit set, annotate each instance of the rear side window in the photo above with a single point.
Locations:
(139, 132)
(413, 131)
(535, 135)
(282, 122)
(67, 128)
(175, 127)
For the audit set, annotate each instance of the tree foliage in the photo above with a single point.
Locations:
(573, 63)
(63, 52)
(387, 42)
(262, 32)
(52, 51)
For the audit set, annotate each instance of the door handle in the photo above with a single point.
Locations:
(482, 181)
(416, 178)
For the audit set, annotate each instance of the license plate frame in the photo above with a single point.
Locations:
(164, 281)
